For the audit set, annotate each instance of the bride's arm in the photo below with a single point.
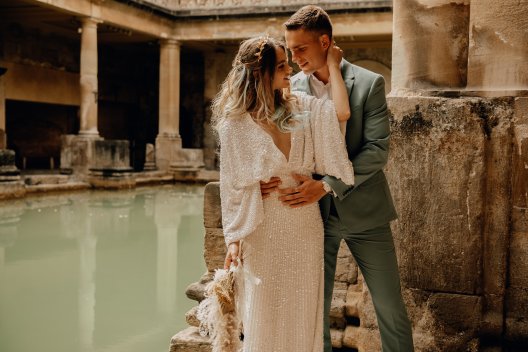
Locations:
(339, 92)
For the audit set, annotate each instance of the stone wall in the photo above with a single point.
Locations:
(458, 171)
(451, 173)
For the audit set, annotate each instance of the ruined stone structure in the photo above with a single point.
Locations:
(458, 172)
(142, 71)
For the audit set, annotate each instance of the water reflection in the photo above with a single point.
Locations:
(98, 271)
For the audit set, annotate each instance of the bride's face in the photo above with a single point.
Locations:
(281, 77)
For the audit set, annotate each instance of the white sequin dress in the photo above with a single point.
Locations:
(282, 248)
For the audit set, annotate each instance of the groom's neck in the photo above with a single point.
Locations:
(323, 74)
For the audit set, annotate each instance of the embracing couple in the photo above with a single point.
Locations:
(301, 163)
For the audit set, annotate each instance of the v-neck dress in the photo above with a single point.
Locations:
(282, 286)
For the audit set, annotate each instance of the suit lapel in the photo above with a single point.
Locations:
(303, 85)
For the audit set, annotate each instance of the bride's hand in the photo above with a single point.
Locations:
(334, 55)
(232, 254)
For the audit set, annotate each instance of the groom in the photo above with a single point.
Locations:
(360, 214)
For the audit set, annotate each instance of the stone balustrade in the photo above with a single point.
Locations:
(263, 5)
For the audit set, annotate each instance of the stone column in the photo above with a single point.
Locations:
(3, 140)
(88, 80)
(429, 48)
(498, 47)
(454, 153)
(168, 141)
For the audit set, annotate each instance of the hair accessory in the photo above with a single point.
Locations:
(262, 42)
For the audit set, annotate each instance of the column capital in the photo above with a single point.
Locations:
(165, 42)
(90, 21)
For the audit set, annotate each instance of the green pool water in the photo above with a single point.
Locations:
(99, 271)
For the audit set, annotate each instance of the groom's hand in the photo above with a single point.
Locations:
(307, 192)
(266, 188)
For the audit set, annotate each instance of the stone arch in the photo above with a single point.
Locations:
(377, 67)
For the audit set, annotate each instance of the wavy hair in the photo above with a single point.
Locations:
(248, 87)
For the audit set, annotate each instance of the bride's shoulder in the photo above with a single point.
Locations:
(233, 125)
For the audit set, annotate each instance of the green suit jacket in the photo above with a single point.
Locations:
(368, 203)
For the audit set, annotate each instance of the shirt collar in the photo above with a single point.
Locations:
(316, 80)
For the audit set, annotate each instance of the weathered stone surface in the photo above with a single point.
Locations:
(362, 339)
(443, 322)
(353, 302)
(189, 340)
(110, 167)
(214, 248)
(518, 273)
(444, 140)
(517, 293)
(367, 314)
(429, 47)
(498, 54)
(188, 159)
(150, 157)
(520, 167)
(346, 268)
(336, 336)
(337, 308)
(111, 155)
(350, 336)
(77, 154)
(196, 290)
(212, 209)
(517, 314)
(167, 148)
(12, 189)
(190, 317)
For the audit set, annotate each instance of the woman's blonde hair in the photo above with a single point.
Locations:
(249, 86)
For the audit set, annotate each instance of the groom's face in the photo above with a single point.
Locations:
(308, 49)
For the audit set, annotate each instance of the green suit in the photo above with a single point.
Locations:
(360, 215)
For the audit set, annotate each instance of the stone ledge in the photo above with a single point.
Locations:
(190, 340)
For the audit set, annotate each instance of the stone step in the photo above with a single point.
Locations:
(190, 340)
(50, 179)
(196, 290)
(190, 317)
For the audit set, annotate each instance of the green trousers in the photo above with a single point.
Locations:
(375, 256)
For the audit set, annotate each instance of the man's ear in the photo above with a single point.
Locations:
(325, 41)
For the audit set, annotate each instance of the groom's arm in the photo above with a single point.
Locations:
(374, 153)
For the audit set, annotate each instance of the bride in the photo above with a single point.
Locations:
(266, 131)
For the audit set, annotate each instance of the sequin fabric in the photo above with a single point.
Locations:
(281, 295)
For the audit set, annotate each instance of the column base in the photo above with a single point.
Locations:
(77, 153)
(11, 185)
(167, 148)
(150, 158)
(91, 134)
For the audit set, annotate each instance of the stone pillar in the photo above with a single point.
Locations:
(3, 140)
(88, 80)
(429, 48)
(456, 154)
(498, 47)
(169, 141)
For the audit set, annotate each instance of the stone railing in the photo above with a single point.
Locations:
(197, 7)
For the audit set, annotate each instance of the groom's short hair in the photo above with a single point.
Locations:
(310, 18)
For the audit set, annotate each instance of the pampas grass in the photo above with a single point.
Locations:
(218, 313)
